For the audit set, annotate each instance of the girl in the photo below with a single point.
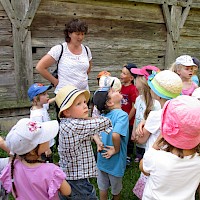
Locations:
(27, 176)
(129, 93)
(185, 68)
(174, 169)
(143, 105)
(144, 102)
(164, 86)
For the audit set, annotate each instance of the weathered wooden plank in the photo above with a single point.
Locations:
(117, 11)
(6, 40)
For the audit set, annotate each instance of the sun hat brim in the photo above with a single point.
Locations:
(157, 92)
(71, 99)
(21, 139)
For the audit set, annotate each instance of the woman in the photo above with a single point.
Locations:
(75, 62)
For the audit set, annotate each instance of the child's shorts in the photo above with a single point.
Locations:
(105, 181)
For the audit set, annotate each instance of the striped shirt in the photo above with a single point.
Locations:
(75, 150)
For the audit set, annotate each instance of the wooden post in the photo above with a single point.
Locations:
(21, 15)
(174, 19)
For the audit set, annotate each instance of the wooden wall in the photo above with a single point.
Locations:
(119, 32)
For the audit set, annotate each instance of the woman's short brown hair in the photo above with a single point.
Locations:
(75, 25)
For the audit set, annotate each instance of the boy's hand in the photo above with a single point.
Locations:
(99, 146)
(110, 151)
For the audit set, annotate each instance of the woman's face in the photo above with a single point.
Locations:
(77, 37)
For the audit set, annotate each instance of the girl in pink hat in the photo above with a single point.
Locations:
(174, 168)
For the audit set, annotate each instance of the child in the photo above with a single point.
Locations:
(75, 150)
(94, 111)
(39, 111)
(106, 81)
(111, 161)
(164, 86)
(3, 163)
(174, 170)
(129, 93)
(144, 102)
(184, 67)
(195, 77)
(27, 176)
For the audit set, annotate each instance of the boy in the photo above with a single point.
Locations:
(39, 111)
(129, 93)
(111, 161)
(75, 150)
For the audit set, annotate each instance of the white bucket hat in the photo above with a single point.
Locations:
(27, 134)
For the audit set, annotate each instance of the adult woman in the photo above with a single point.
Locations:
(75, 62)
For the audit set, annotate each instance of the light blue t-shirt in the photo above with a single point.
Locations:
(115, 165)
(195, 79)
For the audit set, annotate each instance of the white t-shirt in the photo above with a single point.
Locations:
(152, 125)
(41, 115)
(72, 69)
(140, 108)
(171, 177)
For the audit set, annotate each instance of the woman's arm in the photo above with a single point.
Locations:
(42, 67)
(90, 67)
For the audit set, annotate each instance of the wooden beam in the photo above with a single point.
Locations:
(21, 15)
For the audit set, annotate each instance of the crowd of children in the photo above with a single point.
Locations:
(148, 115)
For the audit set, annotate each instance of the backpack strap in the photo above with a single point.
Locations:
(60, 55)
(86, 50)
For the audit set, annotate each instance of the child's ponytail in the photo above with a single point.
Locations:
(12, 176)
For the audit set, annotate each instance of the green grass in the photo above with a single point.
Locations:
(130, 178)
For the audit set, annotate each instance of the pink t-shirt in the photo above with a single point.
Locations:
(41, 182)
(190, 90)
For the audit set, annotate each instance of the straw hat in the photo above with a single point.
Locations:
(66, 96)
(166, 84)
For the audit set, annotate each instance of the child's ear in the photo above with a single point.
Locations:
(66, 113)
(109, 103)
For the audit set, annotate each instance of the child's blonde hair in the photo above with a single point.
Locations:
(175, 67)
(145, 91)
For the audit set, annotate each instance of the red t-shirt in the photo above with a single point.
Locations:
(129, 94)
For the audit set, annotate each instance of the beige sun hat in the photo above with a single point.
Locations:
(66, 96)
(166, 84)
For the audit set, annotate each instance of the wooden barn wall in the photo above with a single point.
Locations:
(119, 32)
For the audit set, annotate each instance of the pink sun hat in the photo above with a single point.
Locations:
(145, 71)
(181, 122)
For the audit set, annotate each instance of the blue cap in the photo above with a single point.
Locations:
(37, 88)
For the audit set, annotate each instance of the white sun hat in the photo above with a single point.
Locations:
(26, 135)
(185, 60)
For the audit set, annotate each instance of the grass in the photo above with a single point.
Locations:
(130, 178)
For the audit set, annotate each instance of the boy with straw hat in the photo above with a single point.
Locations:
(75, 150)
